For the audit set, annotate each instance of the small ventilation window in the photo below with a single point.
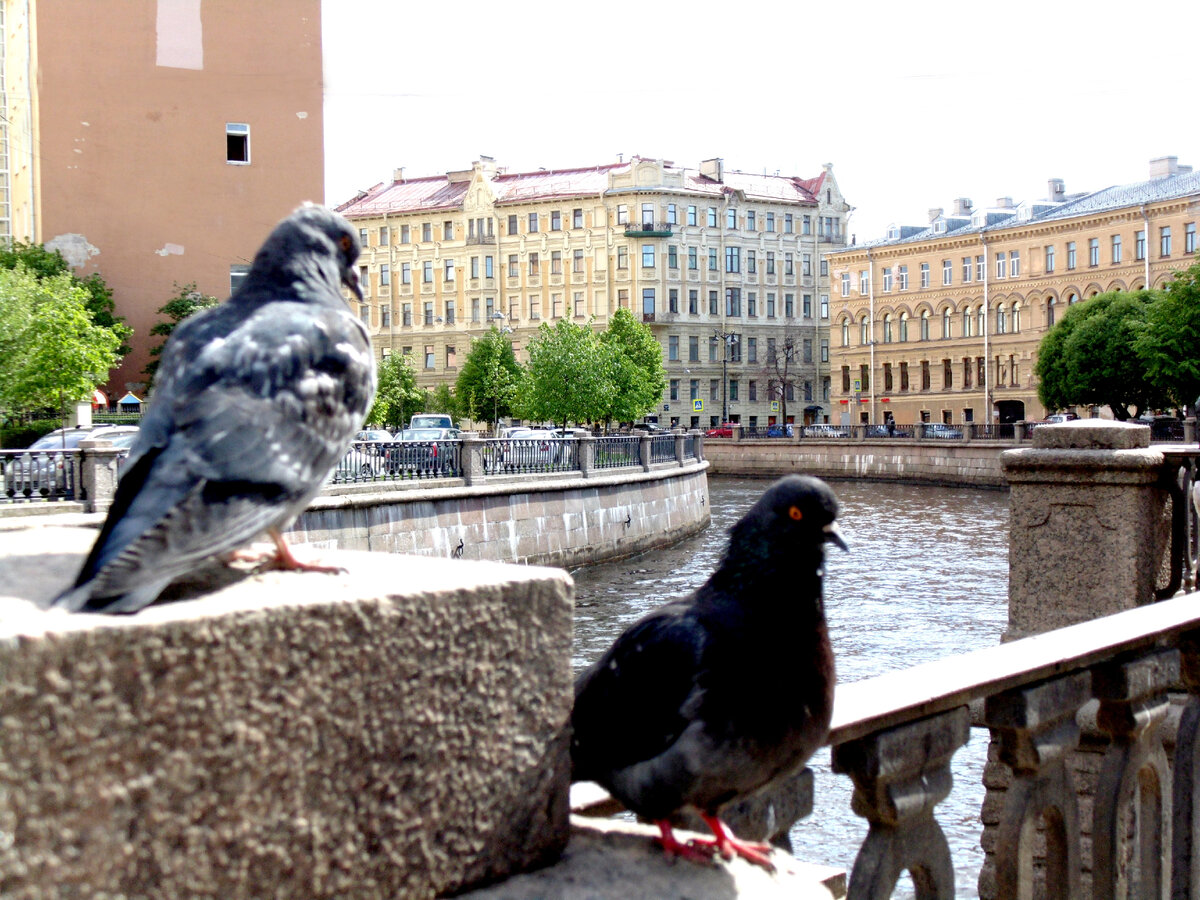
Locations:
(237, 143)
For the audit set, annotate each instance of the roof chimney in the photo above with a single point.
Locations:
(398, 174)
(1056, 189)
(935, 214)
(1167, 165)
(1004, 202)
(713, 169)
(962, 206)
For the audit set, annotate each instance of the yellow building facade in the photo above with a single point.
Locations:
(725, 267)
(942, 322)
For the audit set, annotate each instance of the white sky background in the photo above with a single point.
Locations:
(914, 103)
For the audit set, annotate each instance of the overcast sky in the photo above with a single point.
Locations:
(914, 103)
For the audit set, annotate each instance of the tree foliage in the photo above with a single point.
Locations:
(780, 370)
(397, 396)
(1169, 342)
(51, 350)
(488, 379)
(632, 363)
(186, 302)
(566, 377)
(43, 263)
(1089, 356)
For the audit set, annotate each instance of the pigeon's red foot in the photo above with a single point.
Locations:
(729, 845)
(673, 847)
(285, 561)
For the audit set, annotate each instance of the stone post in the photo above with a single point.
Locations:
(680, 448)
(1189, 431)
(735, 432)
(919, 431)
(968, 431)
(587, 454)
(1087, 531)
(1019, 432)
(698, 437)
(472, 457)
(98, 473)
(644, 443)
(858, 433)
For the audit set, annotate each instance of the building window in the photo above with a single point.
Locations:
(693, 259)
(714, 307)
(887, 280)
(924, 275)
(770, 263)
(533, 223)
(447, 230)
(672, 257)
(845, 284)
(1139, 246)
(672, 214)
(751, 263)
(647, 256)
(673, 300)
(980, 267)
(405, 234)
(733, 389)
(946, 323)
(806, 305)
(789, 305)
(1049, 251)
(694, 302)
(1001, 320)
(429, 358)
(1189, 237)
(924, 324)
(427, 229)
(733, 302)
(712, 259)
(751, 350)
(237, 144)
(864, 331)
(406, 315)
(674, 387)
(789, 268)
(789, 226)
(770, 222)
(622, 257)
(577, 217)
(556, 221)
(535, 264)
(864, 282)
(902, 278)
(1001, 265)
(1116, 248)
(691, 215)
(887, 328)
(770, 304)
(753, 390)
(450, 358)
(1016, 316)
(385, 275)
(1164, 241)
(903, 327)
(383, 235)
(966, 270)
(731, 218)
(673, 348)
(925, 382)
(751, 224)
(450, 317)
(947, 374)
(733, 259)
(751, 303)
(449, 270)
(1049, 312)
(693, 348)
(1070, 255)
(427, 271)
(428, 312)
(712, 217)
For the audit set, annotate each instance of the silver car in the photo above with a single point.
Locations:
(45, 468)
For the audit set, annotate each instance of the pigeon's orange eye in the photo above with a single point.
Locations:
(345, 244)
(795, 513)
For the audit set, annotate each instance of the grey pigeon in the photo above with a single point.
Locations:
(684, 711)
(254, 403)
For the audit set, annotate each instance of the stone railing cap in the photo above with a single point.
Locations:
(1091, 434)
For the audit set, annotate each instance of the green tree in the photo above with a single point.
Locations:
(397, 396)
(566, 377)
(1088, 357)
(1169, 342)
(488, 379)
(51, 351)
(186, 302)
(43, 263)
(442, 400)
(632, 361)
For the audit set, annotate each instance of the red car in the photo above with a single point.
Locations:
(724, 430)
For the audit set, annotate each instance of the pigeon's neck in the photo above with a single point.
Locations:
(300, 275)
(764, 580)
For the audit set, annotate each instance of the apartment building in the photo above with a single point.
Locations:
(727, 268)
(941, 322)
(157, 143)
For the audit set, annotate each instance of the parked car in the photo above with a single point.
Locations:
(784, 430)
(1163, 428)
(723, 430)
(430, 420)
(422, 450)
(826, 431)
(942, 431)
(532, 447)
(357, 465)
(1059, 418)
(373, 436)
(42, 468)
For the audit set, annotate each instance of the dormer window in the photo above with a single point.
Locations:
(939, 227)
(893, 232)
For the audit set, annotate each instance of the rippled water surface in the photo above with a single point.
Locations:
(926, 577)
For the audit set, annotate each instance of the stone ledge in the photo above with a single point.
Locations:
(618, 860)
(397, 730)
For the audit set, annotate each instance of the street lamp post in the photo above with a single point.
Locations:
(727, 338)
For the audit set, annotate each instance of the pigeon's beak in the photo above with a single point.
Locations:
(350, 280)
(833, 534)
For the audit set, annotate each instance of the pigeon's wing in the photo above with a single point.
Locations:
(636, 700)
(243, 440)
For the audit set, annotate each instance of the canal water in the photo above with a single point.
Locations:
(926, 577)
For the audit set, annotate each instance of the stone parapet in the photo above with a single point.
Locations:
(397, 730)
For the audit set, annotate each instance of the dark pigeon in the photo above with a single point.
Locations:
(684, 709)
(254, 403)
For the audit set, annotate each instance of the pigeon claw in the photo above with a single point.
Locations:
(690, 851)
(729, 845)
(283, 559)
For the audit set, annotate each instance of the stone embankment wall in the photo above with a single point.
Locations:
(974, 464)
(559, 520)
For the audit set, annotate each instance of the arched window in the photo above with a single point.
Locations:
(846, 331)
(903, 327)
(982, 323)
(1072, 299)
(946, 330)
(966, 329)
(925, 325)
(1016, 317)
(865, 328)
(1001, 320)
(1049, 312)
(887, 328)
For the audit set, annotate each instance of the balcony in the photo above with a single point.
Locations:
(648, 229)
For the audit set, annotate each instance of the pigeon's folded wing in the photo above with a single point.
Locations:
(636, 700)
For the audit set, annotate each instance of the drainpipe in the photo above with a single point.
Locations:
(871, 331)
(1146, 257)
(987, 314)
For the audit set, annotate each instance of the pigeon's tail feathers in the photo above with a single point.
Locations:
(84, 598)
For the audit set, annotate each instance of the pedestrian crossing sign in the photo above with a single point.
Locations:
(697, 406)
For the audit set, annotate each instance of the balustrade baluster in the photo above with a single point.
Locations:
(1035, 730)
(900, 774)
